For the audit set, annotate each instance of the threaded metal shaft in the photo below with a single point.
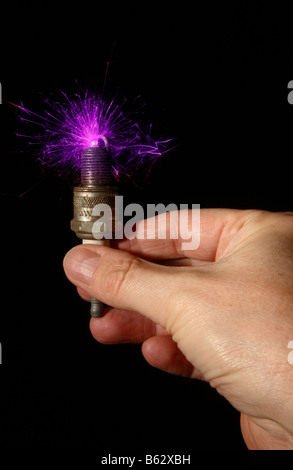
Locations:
(97, 308)
(96, 167)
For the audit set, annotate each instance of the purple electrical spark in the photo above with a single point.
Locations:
(70, 125)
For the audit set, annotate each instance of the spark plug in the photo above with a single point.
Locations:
(97, 187)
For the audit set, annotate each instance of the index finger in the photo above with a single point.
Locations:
(149, 245)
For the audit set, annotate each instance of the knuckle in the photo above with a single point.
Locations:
(119, 276)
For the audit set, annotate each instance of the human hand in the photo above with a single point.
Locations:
(222, 313)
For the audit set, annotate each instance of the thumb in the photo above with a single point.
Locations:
(127, 282)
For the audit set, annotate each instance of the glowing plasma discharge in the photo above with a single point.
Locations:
(72, 124)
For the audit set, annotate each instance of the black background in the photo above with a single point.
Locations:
(213, 77)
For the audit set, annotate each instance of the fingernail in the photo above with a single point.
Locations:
(81, 264)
